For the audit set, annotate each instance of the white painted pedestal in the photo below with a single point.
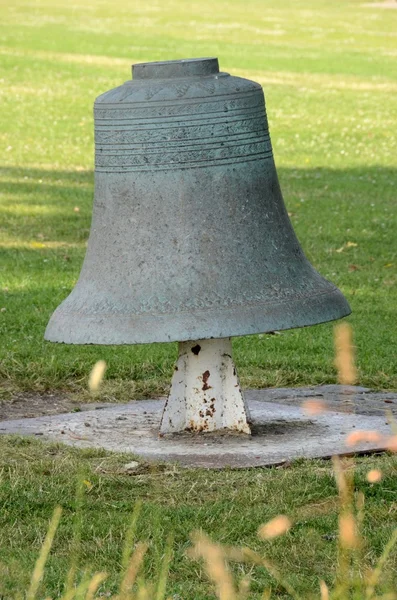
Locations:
(205, 392)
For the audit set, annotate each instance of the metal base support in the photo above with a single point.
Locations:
(205, 391)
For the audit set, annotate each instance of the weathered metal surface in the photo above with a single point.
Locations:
(190, 238)
(205, 391)
(281, 432)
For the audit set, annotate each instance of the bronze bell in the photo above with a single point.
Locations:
(190, 238)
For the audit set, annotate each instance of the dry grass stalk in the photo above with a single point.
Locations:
(375, 576)
(343, 479)
(96, 375)
(374, 476)
(246, 555)
(344, 354)
(94, 584)
(324, 591)
(314, 407)
(129, 538)
(79, 592)
(347, 526)
(356, 437)
(144, 592)
(162, 583)
(215, 565)
(76, 539)
(391, 443)
(44, 552)
(244, 588)
(360, 506)
(274, 528)
(132, 571)
(348, 530)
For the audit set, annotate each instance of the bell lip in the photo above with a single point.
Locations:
(115, 330)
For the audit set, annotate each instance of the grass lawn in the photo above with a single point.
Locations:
(329, 71)
(230, 506)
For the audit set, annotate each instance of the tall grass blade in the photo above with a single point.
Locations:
(132, 571)
(78, 592)
(244, 588)
(130, 536)
(38, 571)
(94, 584)
(374, 578)
(162, 583)
(344, 354)
(144, 592)
(324, 591)
(77, 529)
(347, 527)
(248, 555)
(215, 565)
(96, 375)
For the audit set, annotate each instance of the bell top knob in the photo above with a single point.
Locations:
(168, 69)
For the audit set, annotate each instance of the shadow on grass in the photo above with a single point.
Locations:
(47, 175)
(46, 205)
(344, 195)
(328, 208)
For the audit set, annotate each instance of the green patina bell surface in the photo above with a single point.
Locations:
(190, 238)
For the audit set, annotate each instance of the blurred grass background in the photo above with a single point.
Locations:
(329, 72)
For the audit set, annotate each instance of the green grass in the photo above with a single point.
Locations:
(230, 506)
(330, 76)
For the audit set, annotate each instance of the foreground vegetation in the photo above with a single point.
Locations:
(228, 505)
(330, 78)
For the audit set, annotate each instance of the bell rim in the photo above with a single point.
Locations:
(121, 329)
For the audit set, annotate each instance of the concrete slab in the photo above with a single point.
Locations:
(281, 431)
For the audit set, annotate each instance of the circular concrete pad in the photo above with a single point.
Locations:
(281, 431)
